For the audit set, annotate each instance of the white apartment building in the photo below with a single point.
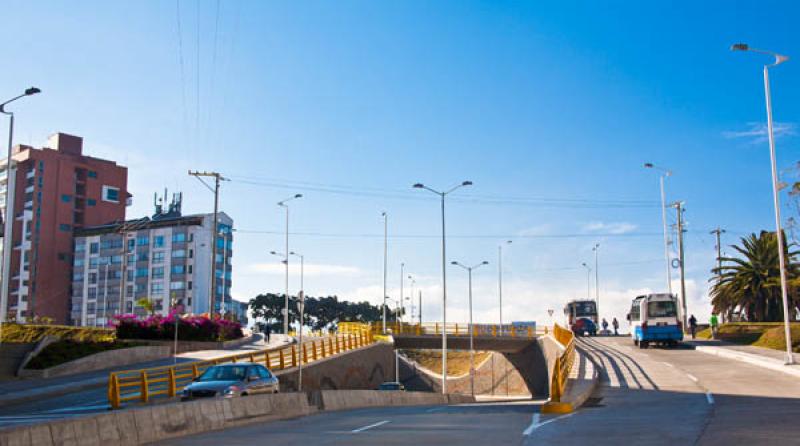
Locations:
(166, 259)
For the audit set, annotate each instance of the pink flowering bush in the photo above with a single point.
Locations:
(190, 328)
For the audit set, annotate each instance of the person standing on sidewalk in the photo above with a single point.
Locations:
(693, 325)
(714, 325)
(605, 326)
(615, 324)
(267, 332)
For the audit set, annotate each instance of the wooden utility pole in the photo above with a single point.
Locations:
(679, 208)
(212, 291)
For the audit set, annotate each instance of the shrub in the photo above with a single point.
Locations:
(13, 332)
(190, 328)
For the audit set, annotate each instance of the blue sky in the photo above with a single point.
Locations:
(550, 108)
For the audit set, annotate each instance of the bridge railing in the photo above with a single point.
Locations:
(563, 364)
(142, 385)
(458, 329)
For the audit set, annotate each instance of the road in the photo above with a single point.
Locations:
(95, 399)
(647, 397)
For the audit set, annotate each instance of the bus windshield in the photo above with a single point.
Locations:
(662, 309)
(585, 309)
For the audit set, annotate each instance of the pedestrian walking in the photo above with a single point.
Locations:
(615, 324)
(605, 326)
(714, 325)
(268, 332)
(693, 325)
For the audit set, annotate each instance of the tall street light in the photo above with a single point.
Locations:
(286, 296)
(410, 297)
(471, 329)
(664, 173)
(9, 211)
(385, 263)
(779, 59)
(596, 248)
(444, 276)
(500, 279)
(588, 280)
(301, 304)
(402, 307)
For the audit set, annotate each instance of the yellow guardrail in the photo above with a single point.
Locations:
(167, 381)
(456, 329)
(563, 364)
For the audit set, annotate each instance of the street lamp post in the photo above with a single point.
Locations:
(471, 328)
(385, 263)
(8, 218)
(410, 298)
(588, 279)
(664, 173)
(301, 303)
(286, 296)
(444, 276)
(596, 280)
(402, 307)
(500, 280)
(779, 59)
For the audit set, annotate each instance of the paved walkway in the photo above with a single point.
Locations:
(774, 360)
(750, 349)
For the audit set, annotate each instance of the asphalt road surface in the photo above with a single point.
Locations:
(647, 397)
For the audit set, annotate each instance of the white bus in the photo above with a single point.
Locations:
(654, 318)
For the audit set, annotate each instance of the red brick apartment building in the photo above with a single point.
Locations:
(57, 189)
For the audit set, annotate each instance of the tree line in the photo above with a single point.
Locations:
(749, 283)
(321, 313)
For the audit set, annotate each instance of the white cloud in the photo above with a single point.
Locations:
(610, 228)
(540, 229)
(757, 131)
(309, 270)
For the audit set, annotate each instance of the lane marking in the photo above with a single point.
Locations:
(692, 377)
(362, 429)
(668, 364)
(535, 424)
(435, 409)
(710, 398)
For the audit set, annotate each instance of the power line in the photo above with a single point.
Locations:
(463, 236)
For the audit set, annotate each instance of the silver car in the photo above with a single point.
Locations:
(232, 380)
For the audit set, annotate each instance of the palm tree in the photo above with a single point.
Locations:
(751, 282)
(147, 304)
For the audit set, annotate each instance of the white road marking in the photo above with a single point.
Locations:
(362, 429)
(535, 424)
(710, 398)
(692, 377)
(435, 409)
(668, 364)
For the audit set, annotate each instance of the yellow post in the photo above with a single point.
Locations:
(314, 347)
(530, 332)
(456, 329)
(113, 391)
(294, 356)
(494, 331)
(304, 349)
(145, 395)
(171, 383)
(281, 360)
(513, 332)
(437, 328)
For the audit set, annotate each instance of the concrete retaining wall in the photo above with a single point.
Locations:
(101, 361)
(365, 368)
(193, 346)
(12, 355)
(156, 423)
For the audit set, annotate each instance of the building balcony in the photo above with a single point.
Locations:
(31, 173)
(29, 189)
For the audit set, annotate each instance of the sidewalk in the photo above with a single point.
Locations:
(762, 357)
(22, 390)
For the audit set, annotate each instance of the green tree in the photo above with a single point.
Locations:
(147, 304)
(751, 282)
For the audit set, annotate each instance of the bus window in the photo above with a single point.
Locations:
(635, 310)
(661, 309)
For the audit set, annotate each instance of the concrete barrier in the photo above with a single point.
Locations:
(329, 400)
(156, 423)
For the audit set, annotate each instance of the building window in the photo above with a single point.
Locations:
(141, 288)
(142, 257)
(78, 262)
(92, 174)
(176, 285)
(66, 198)
(131, 244)
(130, 275)
(178, 269)
(93, 262)
(158, 241)
(158, 257)
(116, 259)
(141, 272)
(189, 286)
(92, 293)
(179, 237)
(91, 201)
(110, 194)
(143, 241)
(178, 253)
(94, 248)
(190, 269)
(80, 247)
(157, 288)
(77, 276)
(158, 272)
(93, 278)
(64, 227)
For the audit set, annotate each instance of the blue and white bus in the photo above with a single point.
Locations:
(654, 318)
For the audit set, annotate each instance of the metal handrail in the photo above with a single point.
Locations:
(563, 364)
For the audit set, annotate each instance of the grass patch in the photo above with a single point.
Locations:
(19, 333)
(64, 351)
(457, 361)
(759, 334)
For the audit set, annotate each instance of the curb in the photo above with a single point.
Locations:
(767, 363)
(574, 399)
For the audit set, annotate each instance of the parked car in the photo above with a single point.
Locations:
(389, 385)
(232, 380)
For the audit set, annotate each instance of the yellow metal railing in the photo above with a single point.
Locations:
(167, 381)
(563, 364)
(457, 329)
